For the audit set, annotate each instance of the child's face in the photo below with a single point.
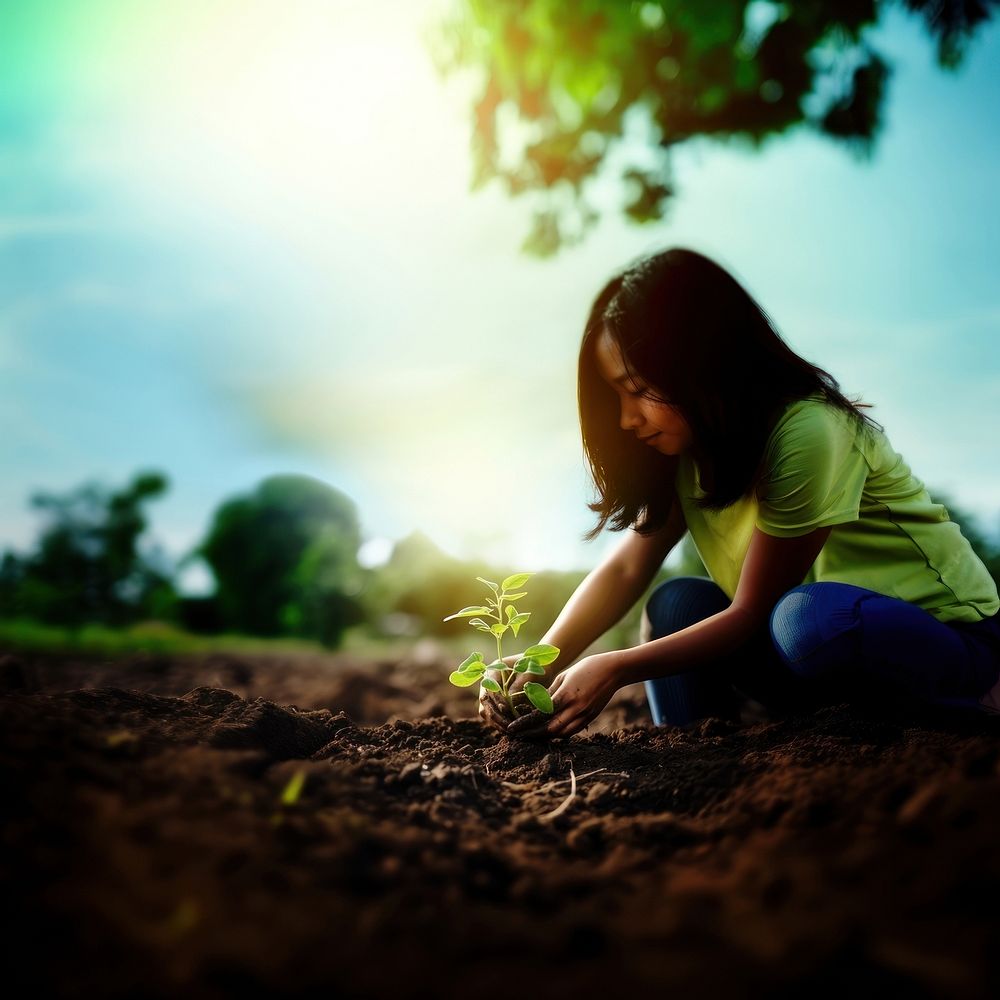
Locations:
(662, 425)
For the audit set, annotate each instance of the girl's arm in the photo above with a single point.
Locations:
(610, 590)
(773, 566)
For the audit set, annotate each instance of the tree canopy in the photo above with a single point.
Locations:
(570, 92)
(285, 560)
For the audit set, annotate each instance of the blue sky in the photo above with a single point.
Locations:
(228, 272)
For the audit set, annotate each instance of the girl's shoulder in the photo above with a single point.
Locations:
(814, 427)
(808, 413)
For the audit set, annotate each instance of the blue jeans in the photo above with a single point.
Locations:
(824, 642)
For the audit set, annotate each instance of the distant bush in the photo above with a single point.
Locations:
(285, 563)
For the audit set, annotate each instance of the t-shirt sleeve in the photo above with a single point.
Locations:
(814, 471)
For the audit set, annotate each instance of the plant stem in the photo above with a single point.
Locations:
(504, 675)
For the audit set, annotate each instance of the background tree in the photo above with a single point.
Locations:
(561, 84)
(285, 560)
(87, 565)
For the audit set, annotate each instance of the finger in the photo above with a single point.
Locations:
(533, 720)
(499, 705)
(570, 727)
(493, 713)
(539, 719)
(486, 714)
(491, 696)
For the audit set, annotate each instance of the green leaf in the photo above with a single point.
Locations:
(510, 612)
(515, 597)
(484, 628)
(462, 679)
(468, 612)
(544, 653)
(515, 581)
(539, 696)
(498, 629)
(489, 583)
(497, 665)
(534, 667)
(518, 620)
(490, 684)
(472, 658)
(479, 621)
(523, 665)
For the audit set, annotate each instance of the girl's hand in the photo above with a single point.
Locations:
(579, 695)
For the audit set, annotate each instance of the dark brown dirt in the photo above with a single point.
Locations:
(148, 851)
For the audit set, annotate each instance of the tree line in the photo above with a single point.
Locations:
(284, 559)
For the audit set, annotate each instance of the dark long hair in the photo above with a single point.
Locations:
(691, 333)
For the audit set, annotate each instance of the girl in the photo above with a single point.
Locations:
(833, 573)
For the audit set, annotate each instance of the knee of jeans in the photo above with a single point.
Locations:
(793, 628)
(679, 602)
(814, 627)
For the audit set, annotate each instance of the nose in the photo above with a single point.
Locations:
(630, 416)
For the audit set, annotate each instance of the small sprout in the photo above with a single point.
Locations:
(294, 788)
(497, 620)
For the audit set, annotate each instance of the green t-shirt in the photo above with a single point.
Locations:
(822, 468)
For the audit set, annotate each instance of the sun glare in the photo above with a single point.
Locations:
(281, 113)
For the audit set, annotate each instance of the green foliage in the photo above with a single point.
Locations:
(562, 86)
(534, 659)
(86, 566)
(285, 560)
(143, 637)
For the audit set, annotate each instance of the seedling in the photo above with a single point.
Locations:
(498, 616)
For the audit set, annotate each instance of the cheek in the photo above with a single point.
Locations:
(665, 416)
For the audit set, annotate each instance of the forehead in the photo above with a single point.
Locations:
(609, 357)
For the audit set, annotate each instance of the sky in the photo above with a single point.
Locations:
(236, 239)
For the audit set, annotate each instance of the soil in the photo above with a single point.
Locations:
(234, 825)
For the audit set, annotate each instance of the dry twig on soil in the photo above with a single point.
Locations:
(564, 805)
